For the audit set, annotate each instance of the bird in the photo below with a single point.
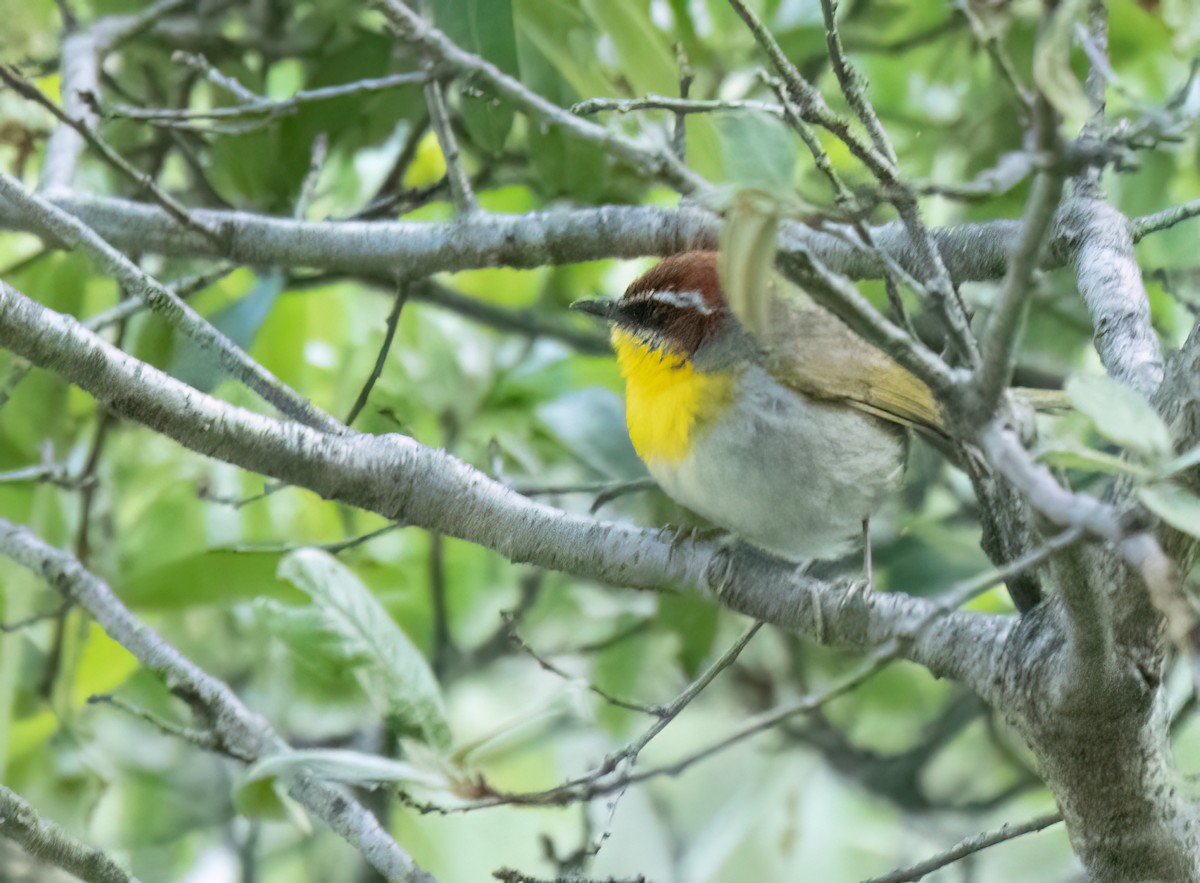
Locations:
(790, 439)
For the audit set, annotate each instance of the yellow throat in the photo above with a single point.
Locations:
(667, 401)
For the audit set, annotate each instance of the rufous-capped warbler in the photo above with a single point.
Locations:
(790, 439)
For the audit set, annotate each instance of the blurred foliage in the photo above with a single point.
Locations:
(197, 547)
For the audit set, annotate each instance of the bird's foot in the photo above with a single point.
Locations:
(858, 587)
(695, 534)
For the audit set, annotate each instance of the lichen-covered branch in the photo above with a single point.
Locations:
(49, 843)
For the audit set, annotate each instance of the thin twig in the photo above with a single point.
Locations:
(14, 80)
(256, 105)
(69, 229)
(1095, 45)
(389, 335)
(547, 665)
(965, 848)
(308, 187)
(995, 372)
(34, 619)
(1140, 228)
(51, 473)
(677, 106)
(204, 67)
(995, 49)
(205, 739)
(662, 164)
(439, 119)
(686, 76)
(851, 84)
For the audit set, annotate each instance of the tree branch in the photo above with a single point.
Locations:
(972, 252)
(242, 733)
(1008, 313)
(166, 303)
(965, 848)
(47, 842)
(404, 481)
(1108, 276)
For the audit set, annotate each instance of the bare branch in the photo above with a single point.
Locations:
(48, 842)
(163, 301)
(967, 847)
(256, 105)
(431, 489)
(675, 105)
(972, 252)
(439, 119)
(851, 83)
(1164, 220)
(1110, 280)
(1009, 307)
(80, 77)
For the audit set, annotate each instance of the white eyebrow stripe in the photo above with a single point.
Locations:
(683, 300)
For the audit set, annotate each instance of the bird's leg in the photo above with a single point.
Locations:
(867, 584)
(868, 568)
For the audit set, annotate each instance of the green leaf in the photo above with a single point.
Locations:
(347, 767)
(392, 672)
(206, 578)
(239, 321)
(1052, 63)
(267, 798)
(694, 621)
(1175, 505)
(484, 27)
(1089, 460)
(757, 151)
(1183, 462)
(644, 51)
(747, 259)
(1121, 415)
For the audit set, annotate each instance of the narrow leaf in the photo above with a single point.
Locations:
(747, 258)
(1089, 460)
(339, 765)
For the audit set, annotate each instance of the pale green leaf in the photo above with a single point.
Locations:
(1052, 63)
(1120, 415)
(391, 670)
(339, 765)
(747, 258)
(1089, 460)
(1175, 505)
(757, 152)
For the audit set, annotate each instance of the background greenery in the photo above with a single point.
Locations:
(903, 767)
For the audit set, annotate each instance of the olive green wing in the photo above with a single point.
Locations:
(809, 349)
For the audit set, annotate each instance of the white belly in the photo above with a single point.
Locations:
(791, 475)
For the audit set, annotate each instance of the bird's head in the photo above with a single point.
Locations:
(675, 308)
